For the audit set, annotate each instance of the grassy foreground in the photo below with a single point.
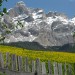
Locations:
(42, 55)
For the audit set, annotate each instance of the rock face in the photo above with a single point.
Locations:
(33, 25)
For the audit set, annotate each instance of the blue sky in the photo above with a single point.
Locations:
(65, 6)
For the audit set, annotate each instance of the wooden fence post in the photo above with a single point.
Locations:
(33, 66)
(43, 68)
(7, 60)
(26, 65)
(38, 67)
(19, 63)
(74, 68)
(60, 68)
(69, 69)
(1, 61)
(14, 62)
(65, 69)
(55, 68)
(49, 68)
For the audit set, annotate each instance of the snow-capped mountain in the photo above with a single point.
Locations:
(28, 24)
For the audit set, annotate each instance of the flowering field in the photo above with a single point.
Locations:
(42, 55)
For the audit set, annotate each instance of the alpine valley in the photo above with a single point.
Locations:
(33, 25)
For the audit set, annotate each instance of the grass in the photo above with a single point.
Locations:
(42, 55)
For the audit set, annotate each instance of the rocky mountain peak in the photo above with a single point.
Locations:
(20, 3)
(54, 14)
(19, 8)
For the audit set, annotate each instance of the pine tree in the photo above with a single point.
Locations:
(2, 10)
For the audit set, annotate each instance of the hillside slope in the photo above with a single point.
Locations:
(36, 46)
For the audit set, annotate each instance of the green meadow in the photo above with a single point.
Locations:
(42, 55)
